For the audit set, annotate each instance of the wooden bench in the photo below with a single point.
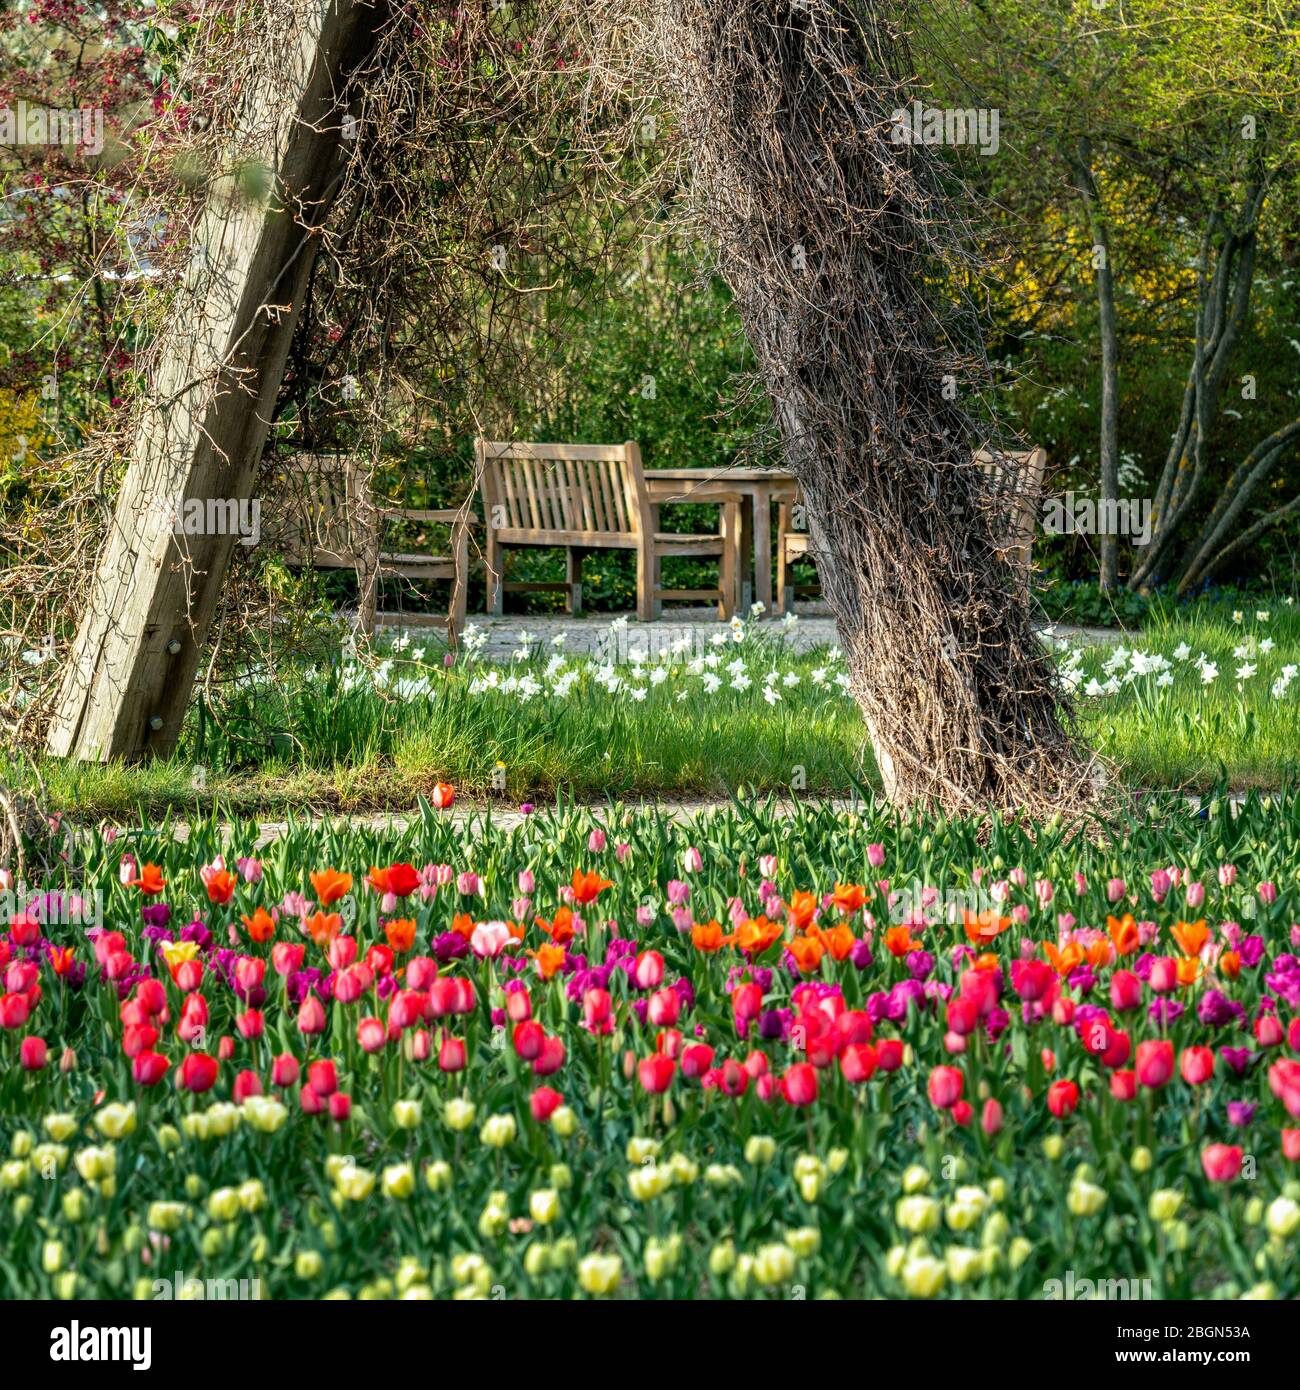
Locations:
(325, 518)
(1023, 486)
(583, 497)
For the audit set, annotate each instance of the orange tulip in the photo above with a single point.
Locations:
(1063, 962)
(755, 935)
(260, 926)
(1189, 970)
(1099, 953)
(1230, 965)
(1123, 934)
(1190, 936)
(800, 909)
(706, 937)
(849, 897)
(560, 927)
(150, 881)
(323, 927)
(983, 926)
(221, 887)
(61, 958)
(588, 886)
(550, 959)
(807, 952)
(400, 932)
(839, 940)
(463, 925)
(330, 885)
(898, 941)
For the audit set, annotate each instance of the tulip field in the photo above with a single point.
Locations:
(606, 1055)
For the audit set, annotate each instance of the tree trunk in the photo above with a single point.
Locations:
(199, 434)
(825, 225)
(1099, 229)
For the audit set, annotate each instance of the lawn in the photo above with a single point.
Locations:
(819, 1056)
(1203, 696)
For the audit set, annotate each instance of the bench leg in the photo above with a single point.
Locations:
(647, 580)
(494, 559)
(573, 578)
(729, 562)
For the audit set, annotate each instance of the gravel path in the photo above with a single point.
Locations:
(697, 627)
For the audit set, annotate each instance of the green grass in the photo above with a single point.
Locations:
(344, 739)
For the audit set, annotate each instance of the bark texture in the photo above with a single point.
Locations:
(832, 229)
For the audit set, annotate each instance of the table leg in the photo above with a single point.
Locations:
(746, 553)
(763, 548)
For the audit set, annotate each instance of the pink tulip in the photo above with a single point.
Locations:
(1222, 1162)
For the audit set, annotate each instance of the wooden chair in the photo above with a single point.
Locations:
(1023, 486)
(326, 519)
(586, 497)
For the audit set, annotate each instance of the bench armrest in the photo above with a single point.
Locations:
(450, 515)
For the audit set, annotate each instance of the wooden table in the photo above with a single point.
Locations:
(759, 487)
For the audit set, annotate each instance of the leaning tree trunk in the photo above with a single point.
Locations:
(199, 433)
(829, 232)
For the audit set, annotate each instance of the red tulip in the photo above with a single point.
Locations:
(247, 1083)
(858, 1063)
(733, 1079)
(199, 1072)
(544, 1102)
(799, 1084)
(991, 1119)
(963, 1112)
(519, 1004)
(251, 1024)
(945, 1087)
(1125, 991)
(854, 1026)
(1123, 1085)
(149, 1068)
(889, 1054)
(287, 957)
(1222, 1162)
(963, 1016)
(33, 1054)
(655, 1073)
(323, 1077)
(340, 1107)
(138, 1038)
(151, 995)
(529, 1039)
(597, 1011)
(371, 1034)
(1062, 1098)
(311, 1016)
(696, 1060)
(1291, 1145)
(13, 1010)
(284, 1071)
(746, 1002)
(1155, 1062)
(1196, 1065)
(451, 1055)
(421, 972)
(1268, 1030)
(648, 970)
(664, 1008)
(552, 1058)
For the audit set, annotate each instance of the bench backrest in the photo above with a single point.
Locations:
(570, 493)
(1021, 486)
(322, 513)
